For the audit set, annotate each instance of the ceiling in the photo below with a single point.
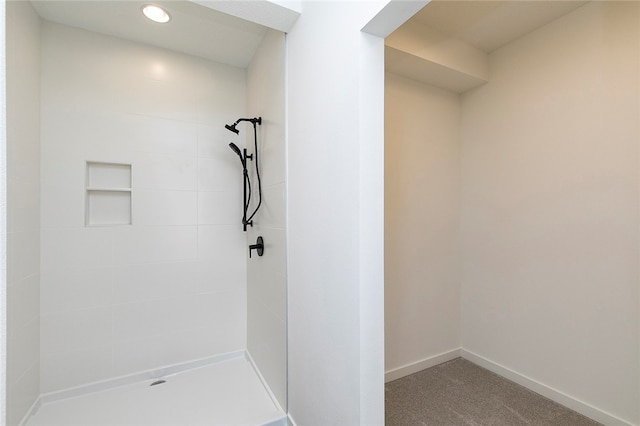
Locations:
(201, 31)
(194, 29)
(448, 43)
(489, 25)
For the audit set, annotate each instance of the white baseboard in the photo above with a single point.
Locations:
(547, 391)
(414, 367)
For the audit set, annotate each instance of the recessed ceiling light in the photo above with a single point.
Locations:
(155, 13)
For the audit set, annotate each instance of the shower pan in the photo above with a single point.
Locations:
(227, 392)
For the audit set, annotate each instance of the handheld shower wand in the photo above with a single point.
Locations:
(242, 154)
(246, 182)
(235, 149)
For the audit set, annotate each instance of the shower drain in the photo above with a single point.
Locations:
(158, 382)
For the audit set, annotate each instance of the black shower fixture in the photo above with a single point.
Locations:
(243, 159)
(232, 127)
(243, 156)
(235, 149)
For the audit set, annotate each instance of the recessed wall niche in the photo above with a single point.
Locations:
(108, 194)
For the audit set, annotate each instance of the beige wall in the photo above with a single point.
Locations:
(548, 225)
(550, 208)
(23, 209)
(422, 291)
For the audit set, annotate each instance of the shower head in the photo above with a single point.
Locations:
(232, 127)
(235, 149)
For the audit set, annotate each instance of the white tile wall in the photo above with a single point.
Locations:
(23, 353)
(74, 330)
(209, 137)
(23, 210)
(61, 204)
(270, 269)
(131, 283)
(24, 256)
(210, 168)
(157, 98)
(268, 345)
(272, 211)
(24, 306)
(76, 247)
(67, 289)
(167, 331)
(213, 207)
(137, 354)
(154, 244)
(25, 201)
(24, 392)
(171, 287)
(154, 135)
(266, 280)
(168, 172)
(75, 366)
(222, 244)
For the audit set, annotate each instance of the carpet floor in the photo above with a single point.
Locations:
(459, 393)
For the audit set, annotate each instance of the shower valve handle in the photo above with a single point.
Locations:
(258, 246)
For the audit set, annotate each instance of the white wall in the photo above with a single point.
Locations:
(23, 209)
(331, 104)
(422, 187)
(550, 209)
(266, 275)
(171, 287)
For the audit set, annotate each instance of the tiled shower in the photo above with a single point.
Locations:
(126, 249)
(171, 286)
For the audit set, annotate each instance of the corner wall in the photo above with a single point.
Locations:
(422, 191)
(171, 287)
(23, 209)
(550, 211)
(266, 275)
(330, 107)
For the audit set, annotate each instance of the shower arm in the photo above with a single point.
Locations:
(254, 121)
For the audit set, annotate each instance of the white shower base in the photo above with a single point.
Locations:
(228, 392)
